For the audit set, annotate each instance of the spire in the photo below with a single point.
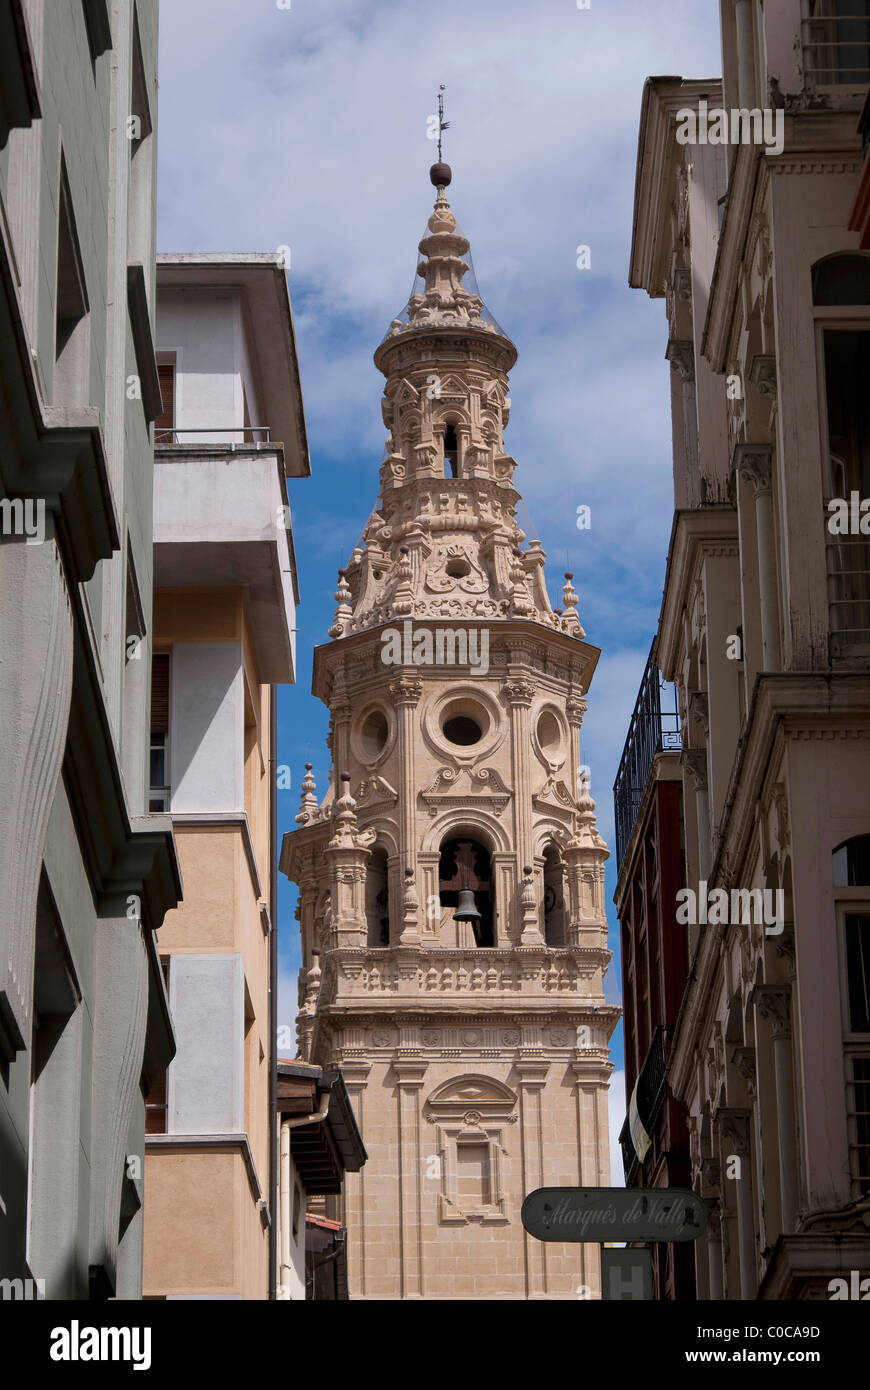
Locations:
(445, 290)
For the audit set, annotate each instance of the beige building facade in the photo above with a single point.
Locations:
(765, 629)
(231, 433)
(451, 879)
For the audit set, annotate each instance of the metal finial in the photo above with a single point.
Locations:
(442, 124)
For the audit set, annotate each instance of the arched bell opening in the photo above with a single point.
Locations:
(554, 898)
(466, 891)
(378, 898)
(451, 452)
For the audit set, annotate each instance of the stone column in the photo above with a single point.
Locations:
(755, 468)
(504, 881)
(681, 355)
(347, 859)
(734, 1139)
(575, 708)
(35, 690)
(519, 693)
(356, 1080)
(410, 1077)
(716, 1291)
(339, 708)
(405, 693)
(774, 1005)
(590, 1082)
(532, 1076)
(695, 762)
(427, 867)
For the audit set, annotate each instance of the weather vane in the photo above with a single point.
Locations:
(442, 124)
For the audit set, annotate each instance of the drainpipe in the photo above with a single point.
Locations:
(273, 992)
(285, 1218)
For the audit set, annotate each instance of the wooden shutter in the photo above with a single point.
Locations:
(160, 693)
(166, 419)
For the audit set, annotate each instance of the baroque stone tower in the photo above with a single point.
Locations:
(451, 880)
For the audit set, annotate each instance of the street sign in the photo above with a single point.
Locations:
(614, 1214)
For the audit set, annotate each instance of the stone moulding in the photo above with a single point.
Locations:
(542, 972)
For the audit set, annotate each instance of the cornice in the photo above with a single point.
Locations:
(695, 532)
(658, 156)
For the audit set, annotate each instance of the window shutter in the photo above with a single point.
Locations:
(160, 693)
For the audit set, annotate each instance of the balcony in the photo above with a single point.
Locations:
(836, 44)
(222, 520)
(654, 728)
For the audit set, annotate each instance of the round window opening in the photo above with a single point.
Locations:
(549, 734)
(374, 733)
(462, 730)
(458, 568)
(464, 723)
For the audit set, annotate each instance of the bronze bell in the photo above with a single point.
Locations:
(465, 909)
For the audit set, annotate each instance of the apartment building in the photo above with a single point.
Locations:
(649, 853)
(86, 871)
(319, 1142)
(231, 433)
(753, 243)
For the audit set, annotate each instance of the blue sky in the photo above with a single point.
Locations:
(306, 127)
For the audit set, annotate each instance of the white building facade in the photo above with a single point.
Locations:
(765, 629)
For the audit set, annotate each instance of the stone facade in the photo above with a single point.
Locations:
(475, 1050)
(86, 874)
(765, 631)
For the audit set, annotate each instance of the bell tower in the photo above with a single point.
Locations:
(451, 880)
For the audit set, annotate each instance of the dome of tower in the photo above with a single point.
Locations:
(445, 292)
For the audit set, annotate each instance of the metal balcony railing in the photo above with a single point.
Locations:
(836, 43)
(849, 594)
(654, 728)
(166, 436)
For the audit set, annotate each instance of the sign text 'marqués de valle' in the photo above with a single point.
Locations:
(613, 1214)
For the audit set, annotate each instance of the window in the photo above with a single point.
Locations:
(851, 875)
(159, 775)
(451, 453)
(857, 927)
(473, 1187)
(72, 320)
(465, 882)
(837, 43)
(156, 1105)
(852, 863)
(377, 898)
(846, 364)
(164, 425)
